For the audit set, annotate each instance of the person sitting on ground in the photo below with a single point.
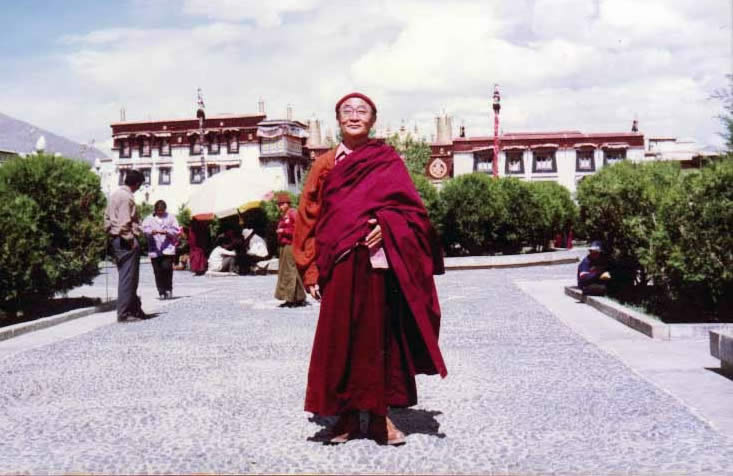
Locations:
(592, 271)
(221, 258)
(254, 251)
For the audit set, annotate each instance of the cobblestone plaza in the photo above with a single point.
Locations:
(215, 384)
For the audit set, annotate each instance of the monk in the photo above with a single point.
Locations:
(365, 247)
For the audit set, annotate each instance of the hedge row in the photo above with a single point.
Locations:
(477, 215)
(668, 233)
(52, 237)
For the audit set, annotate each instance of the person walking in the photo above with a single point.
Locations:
(365, 246)
(289, 285)
(122, 225)
(161, 230)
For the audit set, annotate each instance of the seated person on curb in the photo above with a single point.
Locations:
(592, 272)
(254, 249)
(221, 258)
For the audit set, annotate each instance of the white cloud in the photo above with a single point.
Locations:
(266, 13)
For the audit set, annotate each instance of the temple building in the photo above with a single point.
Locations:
(561, 156)
(177, 155)
(565, 157)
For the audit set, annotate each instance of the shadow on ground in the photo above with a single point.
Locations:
(410, 421)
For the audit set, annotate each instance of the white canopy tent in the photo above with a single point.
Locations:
(232, 191)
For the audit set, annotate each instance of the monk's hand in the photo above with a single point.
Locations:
(315, 291)
(374, 238)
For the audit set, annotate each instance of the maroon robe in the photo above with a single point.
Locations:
(198, 235)
(377, 328)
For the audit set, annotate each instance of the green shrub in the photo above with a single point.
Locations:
(472, 210)
(523, 212)
(430, 198)
(51, 221)
(620, 205)
(691, 255)
(557, 212)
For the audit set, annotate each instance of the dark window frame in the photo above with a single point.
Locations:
(164, 140)
(148, 176)
(194, 143)
(211, 167)
(592, 160)
(480, 157)
(202, 174)
(142, 145)
(122, 175)
(520, 154)
(160, 176)
(213, 142)
(291, 174)
(554, 161)
(234, 138)
(614, 161)
(124, 142)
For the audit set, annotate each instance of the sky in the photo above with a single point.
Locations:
(589, 65)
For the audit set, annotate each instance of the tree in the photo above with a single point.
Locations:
(51, 219)
(473, 207)
(415, 153)
(726, 97)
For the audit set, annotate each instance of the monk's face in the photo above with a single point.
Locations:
(355, 118)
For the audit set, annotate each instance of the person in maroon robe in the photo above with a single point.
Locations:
(364, 245)
(198, 237)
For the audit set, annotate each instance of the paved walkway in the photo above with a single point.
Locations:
(215, 384)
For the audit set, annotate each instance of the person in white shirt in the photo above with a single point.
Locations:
(222, 257)
(254, 249)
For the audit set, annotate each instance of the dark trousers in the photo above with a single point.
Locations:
(127, 259)
(163, 270)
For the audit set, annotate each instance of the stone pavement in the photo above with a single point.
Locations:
(215, 384)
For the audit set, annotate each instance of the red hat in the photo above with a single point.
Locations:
(283, 198)
(356, 95)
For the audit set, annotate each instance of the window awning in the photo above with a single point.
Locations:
(585, 145)
(515, 147)
(620, 145)
(545, 146)
(162, 134)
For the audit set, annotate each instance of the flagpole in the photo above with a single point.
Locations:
(497, 108)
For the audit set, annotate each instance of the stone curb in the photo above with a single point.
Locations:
(644, 323)
(721, 347)
(24, 327)
(489, 265)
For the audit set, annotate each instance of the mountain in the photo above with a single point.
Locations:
(21, 137)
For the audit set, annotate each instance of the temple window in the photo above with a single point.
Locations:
(233, 143)
(543, 161)
(584, 160)
(165, 147)
(125, 149)
(213, 170)
(123, 174)
(164, 176)
(195, 147)
(514, 162)
(197, 174)
(213, 144)
(291, 174)
(146, 174)
(612, 156)
(483, 161)
(145, 148)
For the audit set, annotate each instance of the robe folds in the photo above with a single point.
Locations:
(337, 202)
